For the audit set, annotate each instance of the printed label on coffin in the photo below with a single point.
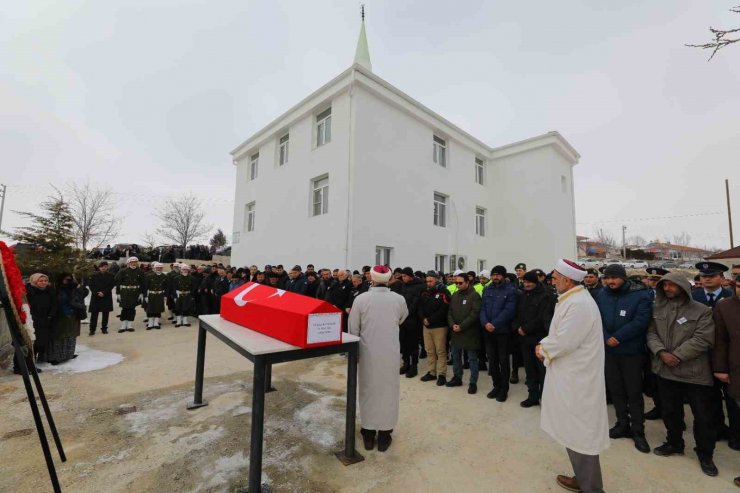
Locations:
(289, 317)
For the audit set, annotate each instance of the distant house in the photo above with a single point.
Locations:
(669, 251)
(728, 257)
(590, 248)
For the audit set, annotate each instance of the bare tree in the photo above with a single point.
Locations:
(605, 238)
(149, 239)
(93, 214)
(182, 220)
(720, 40)
(682, 239)
(637, 240)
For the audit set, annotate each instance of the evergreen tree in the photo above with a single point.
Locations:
(50, 239)
(219, 239)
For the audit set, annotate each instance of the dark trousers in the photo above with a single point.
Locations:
(587, 470)
(672, 396)
(718, 415)
(516, 353)
(498, 348)
(650, 383)
(409, 336)
(624, 377)
(128, 314)
(94, 320)
(534, 370)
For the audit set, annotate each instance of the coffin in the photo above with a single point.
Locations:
(289, 317)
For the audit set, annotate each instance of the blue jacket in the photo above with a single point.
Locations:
(499, 307)
(625, 315)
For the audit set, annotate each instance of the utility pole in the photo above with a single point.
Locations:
(4, 192)
(729, 211)
(624, 242)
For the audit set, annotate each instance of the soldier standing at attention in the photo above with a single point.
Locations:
(155, 289)
(171, 275)
(129, 289)
(184, 287)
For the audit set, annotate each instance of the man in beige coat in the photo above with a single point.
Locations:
(375, 317)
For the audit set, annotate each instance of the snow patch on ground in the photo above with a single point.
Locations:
(87, 359)
(319, 421)
(222, 472)
(241, 410)
(160, 410)
(123, 454)
(197, 440)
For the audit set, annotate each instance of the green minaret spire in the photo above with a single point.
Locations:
(362, 54)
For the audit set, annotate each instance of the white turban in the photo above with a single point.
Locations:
(184, 267)
(570, 269)
(380, 274)
(132, 259)
(458, 272)
(485, 273)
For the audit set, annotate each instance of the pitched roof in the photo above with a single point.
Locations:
(731, 253)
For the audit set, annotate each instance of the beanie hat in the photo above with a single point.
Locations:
(381, 274)
(407, 271)
(531, 276)
(499, 269)
(615, 270)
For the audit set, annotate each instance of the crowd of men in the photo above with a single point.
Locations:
(664, 337)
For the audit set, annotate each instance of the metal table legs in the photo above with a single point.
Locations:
(199, 365)
(349, 455)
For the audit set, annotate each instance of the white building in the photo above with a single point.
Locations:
(360, 173)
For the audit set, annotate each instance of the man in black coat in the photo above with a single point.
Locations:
(101, 286)
(297, 282)
(219, 288)
(592, 282)
(534, 311)
(339, 293)
(433, 306)
(411, 290)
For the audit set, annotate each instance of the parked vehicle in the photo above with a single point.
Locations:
(687, 265)
(637, 264)
(590, 263)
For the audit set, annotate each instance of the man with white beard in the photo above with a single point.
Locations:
(574, 396)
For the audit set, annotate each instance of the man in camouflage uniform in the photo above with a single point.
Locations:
(184, 287)
(155, 290)
(129, 289)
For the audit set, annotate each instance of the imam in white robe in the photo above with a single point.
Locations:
(574, 396)
(375, 317)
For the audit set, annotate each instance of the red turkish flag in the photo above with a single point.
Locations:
(289, 317)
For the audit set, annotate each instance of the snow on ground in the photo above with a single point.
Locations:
(87, 359)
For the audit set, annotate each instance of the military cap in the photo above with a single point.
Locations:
(710, 268)
(521, 265)
(540, 272)
(656, 272)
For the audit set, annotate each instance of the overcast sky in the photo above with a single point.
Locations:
(148, 97)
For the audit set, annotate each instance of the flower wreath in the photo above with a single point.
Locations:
(13, 281)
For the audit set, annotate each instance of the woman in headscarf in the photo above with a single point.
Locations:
(66, 327)
(42, 303)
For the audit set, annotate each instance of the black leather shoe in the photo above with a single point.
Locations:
(493, 393)
(454, 382)
(620, 431)
(413, 371)
(667, 449)
(530, 402)
(653, 414)
(501, 397)
(384, 440)
(441, 380)
(641, 443)
(404, 368)
(472, 389)
(368, 438)
(428, 378)
(707, 466)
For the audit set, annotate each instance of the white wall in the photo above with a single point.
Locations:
(285, 232)
(395, 183)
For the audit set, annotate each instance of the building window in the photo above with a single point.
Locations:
(249, 211)
(254, 163)
(284, 142)
(479, 171)
(440, 210)
(453, 263)
(439, 151)
(480, 221)
(563, 184)
(235, 237)
(440, 262)
(481, 265)
(323, 128)
(320, 195)
(383, 255)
